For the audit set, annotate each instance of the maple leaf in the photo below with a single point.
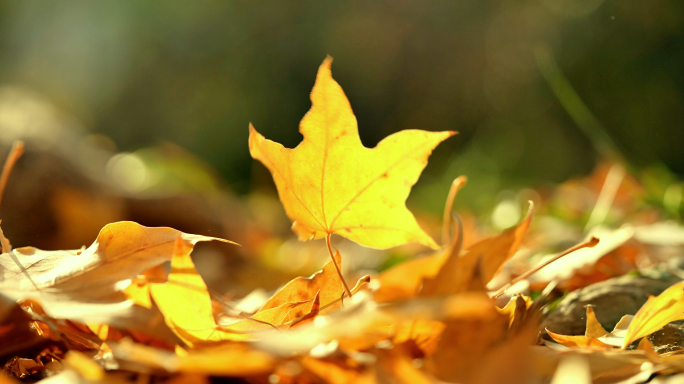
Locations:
(331, 184)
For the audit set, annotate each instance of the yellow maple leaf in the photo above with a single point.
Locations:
(330, 183)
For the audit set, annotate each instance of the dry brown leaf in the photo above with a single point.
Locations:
(473, 269)
(331, 184)
(656, 313)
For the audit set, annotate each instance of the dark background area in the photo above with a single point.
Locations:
(196, 74)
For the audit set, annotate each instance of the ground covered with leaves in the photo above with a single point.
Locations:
(530, 304)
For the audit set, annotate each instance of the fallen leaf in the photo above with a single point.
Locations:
(86, 285)
(234, 359)
(473, 269)
(331, 184)
(331, 372)
(121, 251)
(606, 366)
(281, 317)
(187, 306)
(617, 336)
(21, 367)
(572, 369)
(84, 366)
(404, 280)
(393, 365)
(515, 309)
(363, 322)
(578, 341)
(509, 362)
(594, 328)
(5, 245)
(139, 293)
(425, 334)
(594, 331)
(184, 300)
(656, 313)
(463, 345)
(324, 283)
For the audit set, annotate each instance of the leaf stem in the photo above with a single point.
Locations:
(337, 267)
(14, 155)
(456, 186)
(587, 244)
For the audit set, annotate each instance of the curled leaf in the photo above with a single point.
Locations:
(472, 270)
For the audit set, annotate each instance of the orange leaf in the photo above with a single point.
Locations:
(594, 328)
(330, 183)
(578, 341)
(593, 336)
(5, 245)
(472, 270)
(325, 283)
(403, 281)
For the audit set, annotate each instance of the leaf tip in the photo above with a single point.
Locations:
(325, 69)
(593, 242)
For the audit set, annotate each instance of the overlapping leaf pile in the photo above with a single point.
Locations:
(110, 314)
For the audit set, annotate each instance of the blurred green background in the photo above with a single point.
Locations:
(196, 73)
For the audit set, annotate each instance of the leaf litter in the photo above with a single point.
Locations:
(111, 313)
